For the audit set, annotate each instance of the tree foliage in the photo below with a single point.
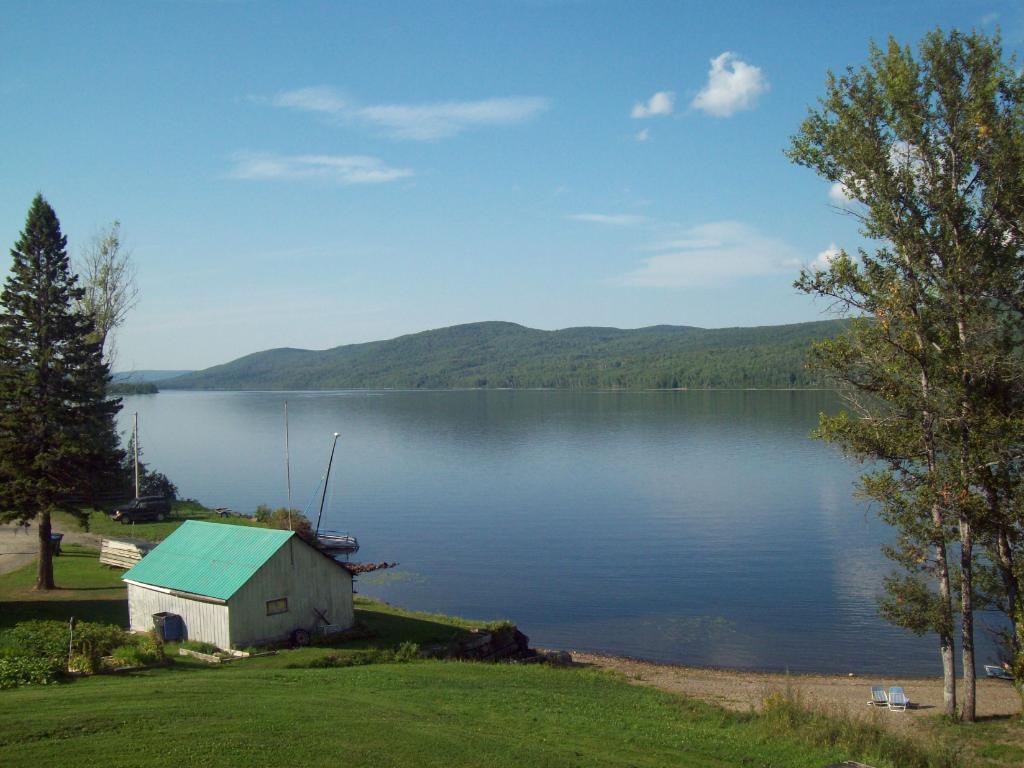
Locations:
(506, 355)
(58, 446)
(109, 289)
(929, 149)
(151, 482)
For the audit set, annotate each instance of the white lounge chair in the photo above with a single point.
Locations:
(878, 697)
(898, 700)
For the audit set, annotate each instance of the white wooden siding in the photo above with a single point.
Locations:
(307, 579)
(206, 622)
(297, 572)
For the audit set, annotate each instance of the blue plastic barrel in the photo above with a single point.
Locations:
(169, 627)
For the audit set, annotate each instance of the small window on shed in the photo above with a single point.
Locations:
(277, 606)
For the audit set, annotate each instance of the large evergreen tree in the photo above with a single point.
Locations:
(929, 149)
(58, 445)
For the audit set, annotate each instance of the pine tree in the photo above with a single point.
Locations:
(58, 446)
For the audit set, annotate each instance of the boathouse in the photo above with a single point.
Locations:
(236, 586)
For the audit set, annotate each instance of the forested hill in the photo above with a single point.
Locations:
(497, 354)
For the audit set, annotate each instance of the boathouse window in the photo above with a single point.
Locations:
(277, 606)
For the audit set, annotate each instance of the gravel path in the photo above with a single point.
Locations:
(19, 544)
(744, 690)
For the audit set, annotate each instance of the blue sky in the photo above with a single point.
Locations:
(314, 174)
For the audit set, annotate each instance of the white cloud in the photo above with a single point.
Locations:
(840, 194)
(660, 103)
(643, 135)
(732, 85)
(712, 253)
(615, 219)
(341, 169)
(319, 98)
(426, 122)
(419, 122)
(824, 259)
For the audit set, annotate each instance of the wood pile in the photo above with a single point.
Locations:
(123, 553)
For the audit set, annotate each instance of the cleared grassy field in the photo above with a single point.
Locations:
(290, 709)
(421, 714)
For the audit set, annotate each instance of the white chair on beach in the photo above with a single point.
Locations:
(878, 697)
(898, 701)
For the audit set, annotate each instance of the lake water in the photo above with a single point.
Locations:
(701, 528)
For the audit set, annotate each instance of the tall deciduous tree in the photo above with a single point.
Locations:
(107, 274)
(929, 149)
(58, 445)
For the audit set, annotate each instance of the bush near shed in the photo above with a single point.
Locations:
(33, 646)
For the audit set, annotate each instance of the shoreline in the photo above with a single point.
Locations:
(740, 690)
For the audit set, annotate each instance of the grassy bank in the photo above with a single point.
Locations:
(99, 522)
(421, 714)
(307, 705)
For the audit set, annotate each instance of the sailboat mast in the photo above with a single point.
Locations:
(327, 479)
(287, 465)
(135, 448)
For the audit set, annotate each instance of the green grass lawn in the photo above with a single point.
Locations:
(88, 591)
(422, 714)
(99, 522)
(281, 710)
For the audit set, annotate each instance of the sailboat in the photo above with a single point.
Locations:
(331, 542)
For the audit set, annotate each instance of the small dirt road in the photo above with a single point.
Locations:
(19, 544)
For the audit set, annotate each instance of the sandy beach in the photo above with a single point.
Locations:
(743, 690)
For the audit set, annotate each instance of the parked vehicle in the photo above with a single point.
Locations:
(143, 508)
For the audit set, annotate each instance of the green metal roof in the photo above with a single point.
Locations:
(210, 559)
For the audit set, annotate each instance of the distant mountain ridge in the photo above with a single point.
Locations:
(138, 377)
(500, 354)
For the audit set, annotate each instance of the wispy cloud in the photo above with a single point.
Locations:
(642, 135)
(732, 85)
(660, 103)
(427, 122)
(417, 122)
(614, 219)
(340, 169)
(317, 98)
(712, 253)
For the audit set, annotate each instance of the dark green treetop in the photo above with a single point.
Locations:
(58, 445)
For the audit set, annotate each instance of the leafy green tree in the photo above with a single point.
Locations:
(151, 482)
(929, 151)
(58, 446)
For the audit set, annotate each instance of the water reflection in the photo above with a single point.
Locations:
(699, 527)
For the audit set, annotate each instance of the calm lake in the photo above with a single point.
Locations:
(701, 528)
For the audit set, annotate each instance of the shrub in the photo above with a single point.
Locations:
(49, 640)
(278, 518)
(26, 670)
(405, 652)
(140, 651)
